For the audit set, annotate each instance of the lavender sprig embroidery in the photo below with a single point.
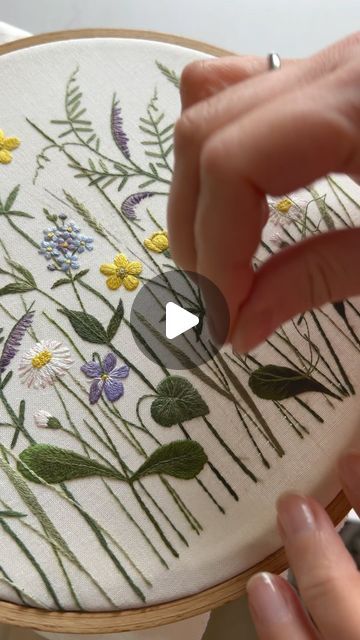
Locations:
(120, 138)
(14, 340)
(129, 204)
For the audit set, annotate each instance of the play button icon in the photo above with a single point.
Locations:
(169, 320)
(178, 320)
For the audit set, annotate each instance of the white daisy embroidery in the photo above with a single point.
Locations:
(284, 210)
(46, 360)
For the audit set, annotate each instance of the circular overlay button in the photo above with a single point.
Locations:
(170, 323)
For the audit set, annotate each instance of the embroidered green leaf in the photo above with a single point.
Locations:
(169, 74)
(25, 273)
(7, 513)
(60, 282)
(7, 379)
(53, 423)
(11, 198)
(177, 401)
(81, 274)
(15, 287)
(273, 382)
(21, 214)
(181, 459)
(115, 321)
(55, 465)
(86, 326)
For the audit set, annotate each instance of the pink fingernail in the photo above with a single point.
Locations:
(295, 515)
(267, 602)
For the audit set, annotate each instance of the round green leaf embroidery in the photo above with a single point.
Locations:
(177, 401)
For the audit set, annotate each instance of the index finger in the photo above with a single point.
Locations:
(274, 149)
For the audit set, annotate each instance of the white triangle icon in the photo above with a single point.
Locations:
(178, 320)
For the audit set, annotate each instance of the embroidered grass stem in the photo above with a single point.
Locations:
(155, 524)
(232, 455)
(199, 482)
(349, 327)
(102, 540)
(48, 586)
(333, 352)
(141, 531)
(86, 446)
(245, 396)
(19, 592)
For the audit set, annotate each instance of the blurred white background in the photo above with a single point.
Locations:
(251, 26)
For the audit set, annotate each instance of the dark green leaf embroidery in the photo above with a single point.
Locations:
(59, 283)
(81, 274)
(273, 382)
(182, 459)
(55, 465)
(86, 326)
(53, 423)
(11, 198)
(15, 287)
(177, 401)
(8, 513)
(25, 273)
(115, 321)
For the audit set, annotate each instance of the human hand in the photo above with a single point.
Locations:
(327, 577)
(244, 133)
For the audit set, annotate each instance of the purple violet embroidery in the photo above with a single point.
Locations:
(129, 204)
(14, 339)
(120, 138)
(106, 378)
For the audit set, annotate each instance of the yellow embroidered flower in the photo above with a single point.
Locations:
(7, 145)
(158, 242)
(122, 271)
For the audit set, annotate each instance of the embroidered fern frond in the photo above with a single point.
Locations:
(76, 120)
(158, 138)
(169, 74)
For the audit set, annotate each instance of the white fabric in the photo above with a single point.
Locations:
(246, 533)
(194, 627)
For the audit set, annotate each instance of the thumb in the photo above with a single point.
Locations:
(321, 269)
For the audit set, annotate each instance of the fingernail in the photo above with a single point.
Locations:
(349, 468)
(267, 602)
(295, 515)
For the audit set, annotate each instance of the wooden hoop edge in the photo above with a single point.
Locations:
(183, 608)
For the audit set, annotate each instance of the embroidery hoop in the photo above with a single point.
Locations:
(161, 614)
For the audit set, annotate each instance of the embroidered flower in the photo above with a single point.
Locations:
(14, 339)
(122, 271)
(67, 261)
(63, 243)
(6, 146)
(284, 211)
(106, 378)
(45, 420)
(158, 242)
(46, 360)
(131, 202)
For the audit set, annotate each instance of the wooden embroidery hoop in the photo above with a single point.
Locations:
(169, 612)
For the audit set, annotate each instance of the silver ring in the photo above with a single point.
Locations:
(274, 61)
